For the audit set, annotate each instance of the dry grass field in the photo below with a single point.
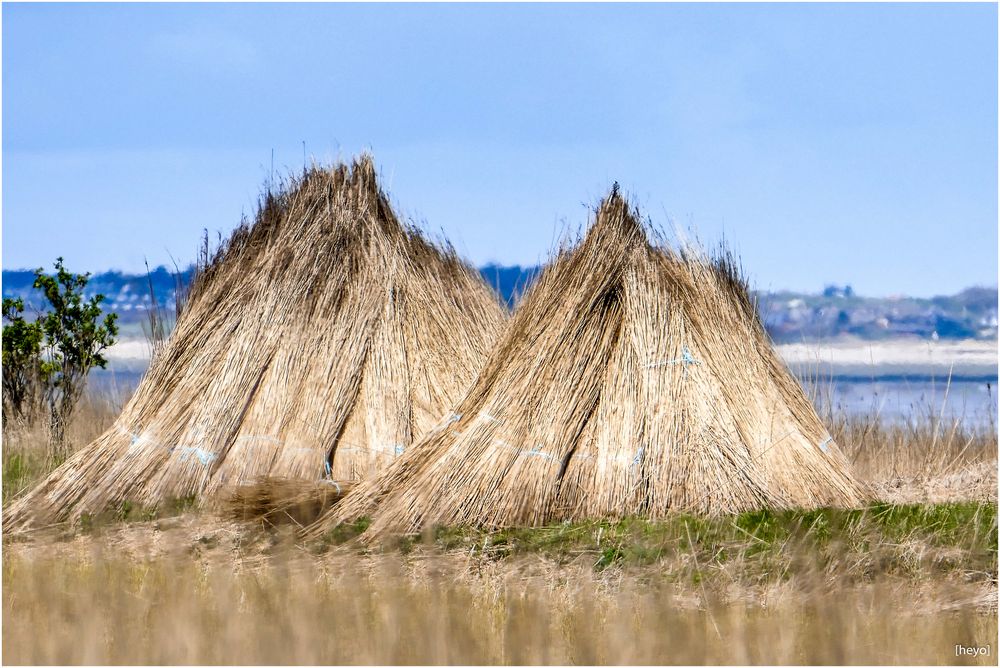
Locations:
(903, 581)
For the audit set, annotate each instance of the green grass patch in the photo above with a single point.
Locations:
(343, 533)
(907, 540)
(21, 470)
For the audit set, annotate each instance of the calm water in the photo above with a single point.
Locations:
(974, 402)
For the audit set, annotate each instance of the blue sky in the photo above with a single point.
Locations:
(828, 144)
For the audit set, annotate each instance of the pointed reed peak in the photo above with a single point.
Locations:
(616, 225)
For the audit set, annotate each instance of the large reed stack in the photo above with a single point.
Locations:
(633, 380)
(320, 342)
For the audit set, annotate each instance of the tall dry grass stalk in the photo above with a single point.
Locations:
(924, 459)
(932, 454)
(633, 380)
(28, 451)
(319, 342)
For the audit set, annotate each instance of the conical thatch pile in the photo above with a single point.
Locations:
(632, 380)
(319, 343)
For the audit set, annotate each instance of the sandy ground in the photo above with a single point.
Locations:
(942, 353)
(973, 482)
(881, 358)
(863, 358)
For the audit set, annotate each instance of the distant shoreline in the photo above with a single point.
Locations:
(894, 360)
(970, 361)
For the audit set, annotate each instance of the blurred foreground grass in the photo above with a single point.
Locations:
(390, 611)
(884, 585)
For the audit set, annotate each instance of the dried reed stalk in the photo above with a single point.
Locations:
(319, 342)
(633, 380)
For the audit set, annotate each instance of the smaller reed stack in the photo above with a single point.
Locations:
(633, 380)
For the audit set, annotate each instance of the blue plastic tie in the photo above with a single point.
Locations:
(203, 456)
(635, 460)
(686, 359)
(537, 452)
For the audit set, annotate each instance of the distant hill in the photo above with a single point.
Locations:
(509, 282)
(126, 294)
(837, 312)
(788, 316)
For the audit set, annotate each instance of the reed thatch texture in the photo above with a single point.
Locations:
(633, 380)
(319, 342)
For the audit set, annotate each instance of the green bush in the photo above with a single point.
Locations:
(46, 361)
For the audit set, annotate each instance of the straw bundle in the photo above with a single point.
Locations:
(633, 380)
(318, 343)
